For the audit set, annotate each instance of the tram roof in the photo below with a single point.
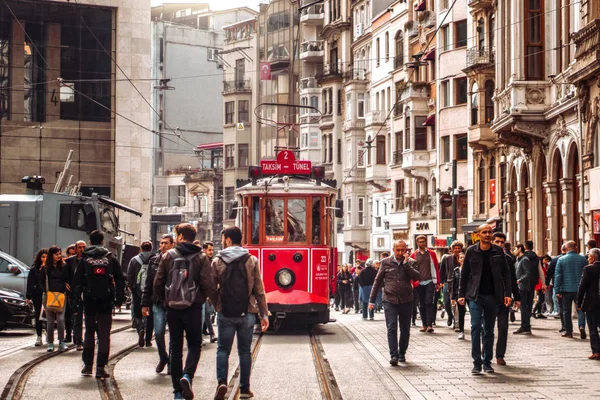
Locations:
(277, 185)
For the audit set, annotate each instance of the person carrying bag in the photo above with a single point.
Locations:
(54, 280)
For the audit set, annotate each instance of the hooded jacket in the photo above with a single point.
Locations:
(57, 278)
(257, 303)
(134, 269)
(34, 290)
(199, 269)
(148, 297)
(80, 282)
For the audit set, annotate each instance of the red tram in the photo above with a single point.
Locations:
(287, 217)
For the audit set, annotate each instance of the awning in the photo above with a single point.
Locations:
(120, 206)
(430, 121)
(473, 225)
(430, 56)
(422, 5)
(210, 146)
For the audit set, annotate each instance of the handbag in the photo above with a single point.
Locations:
(55, 301)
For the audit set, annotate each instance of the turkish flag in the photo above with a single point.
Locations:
(492, 191)
(265, 71)
(99, 271)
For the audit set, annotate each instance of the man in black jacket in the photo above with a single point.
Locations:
(524, 271)
(588, 299)
(485, 283)
(77, 321)
(153, 309)
(100, 279)
(503, 310)
(396, 275)
(137, 271)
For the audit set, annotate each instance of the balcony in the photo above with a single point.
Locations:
(375, 117)
(423, 206)
(354, 124)
(587, 52)
(397, 158)
(326, 121)
(416, 91)
(237, 86)
(312, 50)
(309, 86)
(519, 112)
(329, 71)
(313, 15)
(480, 57)
(412, 29)
(355, 74)
(416, 162)
(377, 175)
(479, 5)
(427, 19)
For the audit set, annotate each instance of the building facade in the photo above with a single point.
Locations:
(93, 109)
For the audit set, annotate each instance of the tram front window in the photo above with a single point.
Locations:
(255, 220)
(274, 220)
(296, 220)
(316, 220)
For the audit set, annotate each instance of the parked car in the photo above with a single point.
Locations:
(14, 311)
(13, 273)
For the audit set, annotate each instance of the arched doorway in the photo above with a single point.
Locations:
(557, 173)
(573, 162)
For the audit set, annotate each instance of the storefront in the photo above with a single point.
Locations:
(595, 202)
(426, 227)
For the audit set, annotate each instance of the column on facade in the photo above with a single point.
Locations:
(521, 215)
(530, 215)
(517, 35)
(554, 220)
(567, 226)
(510, 217)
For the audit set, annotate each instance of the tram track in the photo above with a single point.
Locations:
(109, 389)
(14, 388)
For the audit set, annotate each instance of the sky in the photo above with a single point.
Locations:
(215, 4)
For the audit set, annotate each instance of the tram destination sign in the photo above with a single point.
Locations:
(286, 163)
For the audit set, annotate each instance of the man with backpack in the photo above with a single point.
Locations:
(137, 271)
(183, 282)
(240, 295)
(100, 279)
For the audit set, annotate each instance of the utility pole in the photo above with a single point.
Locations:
(454, 200)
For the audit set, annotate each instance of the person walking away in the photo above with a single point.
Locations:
(240, 295)
(183, 282)
(555, 299)
(34, 291)
(365, 280)
(588, 299)
(54, 282)
(153, 309)
(69, 252)
(100, 282)
(447, 266)
(77, 318)
(485, 283)
(548, 294)
(429, 282)
(567, 276)
(344, 279)
(461, 310)
(506, 312)
(524, 271)
(356, 287)
(395, 276)
(540, 289)
(137, 272)
(209, 309)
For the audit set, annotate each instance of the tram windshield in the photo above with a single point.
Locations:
(285, 220)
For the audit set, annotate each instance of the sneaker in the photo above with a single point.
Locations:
(38, 341)
(62, 346)
(246, 394)
(372, 319)
(364, 319)
(141, 337)
(50, 347)
(86, 370)
(148, 343)
(177, 396)
(461, 336)
(488, 369)
(476, 370)
(394, 361)
(402, 358)
(522, 331)
(160, 367)
(221, 391)
(186, 387)
(101, 373)
(213, 338)
(500, 361)
(68, 339)
(582, 333)
(79, 347)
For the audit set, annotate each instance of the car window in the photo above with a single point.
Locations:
(3, 265)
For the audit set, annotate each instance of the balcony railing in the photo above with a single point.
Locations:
(237, 86)
(397, 157)
(358, 74)
(375, 117)
(313, 47)
(417, 90)
(309, 83)
(314, 12)
(480, 56)
(354, 124)
(326, 119)
(327, 70)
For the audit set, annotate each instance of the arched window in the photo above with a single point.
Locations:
(481, 172)
(534, 40)
(474, 104)
(489, 103)
(492, 173)
(399, 58)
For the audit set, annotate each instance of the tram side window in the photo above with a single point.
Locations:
(255, 220)
(316, 220)
(296, 220)
(274, 220)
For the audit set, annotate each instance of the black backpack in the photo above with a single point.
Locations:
(181, 289)
(235, 296)
(99, 283)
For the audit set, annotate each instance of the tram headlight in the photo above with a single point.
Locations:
(285, 278)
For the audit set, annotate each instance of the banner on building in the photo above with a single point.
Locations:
(492, 192)
(265, 71)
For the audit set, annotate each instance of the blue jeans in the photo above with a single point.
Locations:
(228, 327)
(160, 326)
(483, 313)
(567, 304)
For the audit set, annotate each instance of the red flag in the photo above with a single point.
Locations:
(265, 71)
(492, 191)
